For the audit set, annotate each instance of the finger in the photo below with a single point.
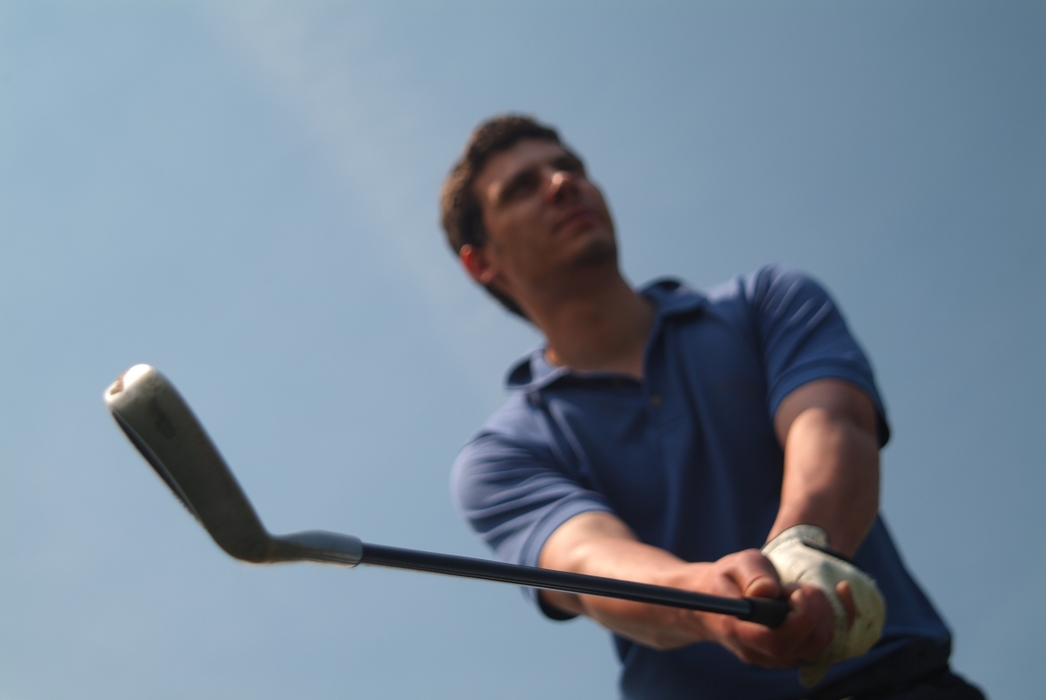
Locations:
(842, 590)
(814, 621)
(807, 630)
(755, 576)
(762, 587)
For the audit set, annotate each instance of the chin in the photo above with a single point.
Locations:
(599, 251)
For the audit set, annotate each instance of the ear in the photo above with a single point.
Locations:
(477, 264)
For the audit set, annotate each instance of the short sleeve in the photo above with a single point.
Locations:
(514, 494)
(804, 337)
(513, 498)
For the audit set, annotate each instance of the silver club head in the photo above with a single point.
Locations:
(161, 425)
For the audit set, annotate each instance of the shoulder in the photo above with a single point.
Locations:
(510, 485)
(771, 292)
(510, 436)
(775, 283)
(774, 296)
(770, 281)
(515, 423)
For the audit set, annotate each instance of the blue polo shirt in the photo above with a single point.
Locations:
(687, 457)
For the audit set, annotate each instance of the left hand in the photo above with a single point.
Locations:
(801, 555)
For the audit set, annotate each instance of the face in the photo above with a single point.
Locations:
(544, 219)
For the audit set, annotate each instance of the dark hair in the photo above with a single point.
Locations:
(460, 211)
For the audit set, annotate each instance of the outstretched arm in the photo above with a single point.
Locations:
(600, 544)
(831, 467)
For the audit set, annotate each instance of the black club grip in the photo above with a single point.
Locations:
(766, 611)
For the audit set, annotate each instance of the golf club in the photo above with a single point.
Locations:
(161, 425)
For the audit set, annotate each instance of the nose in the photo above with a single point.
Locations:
(562, 186)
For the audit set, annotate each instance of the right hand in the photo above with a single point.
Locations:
(805, 633)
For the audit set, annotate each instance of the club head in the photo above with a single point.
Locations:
(159, 422)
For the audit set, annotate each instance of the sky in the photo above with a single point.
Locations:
(244, 195)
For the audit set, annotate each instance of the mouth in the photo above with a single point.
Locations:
(574, 217)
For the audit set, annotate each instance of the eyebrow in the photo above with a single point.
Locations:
(568, 158)
(560, 161)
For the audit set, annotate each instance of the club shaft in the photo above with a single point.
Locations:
(162, 426)
(766, 612)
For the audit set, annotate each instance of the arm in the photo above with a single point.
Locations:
(831, 467)
(600, 544)
(831, 481)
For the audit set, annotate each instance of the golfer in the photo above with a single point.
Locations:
(724, 442)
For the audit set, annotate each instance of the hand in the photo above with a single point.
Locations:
(800, 554)
(805, 633)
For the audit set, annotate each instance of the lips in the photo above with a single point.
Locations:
(578, 215)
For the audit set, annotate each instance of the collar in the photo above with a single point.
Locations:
(670, 297)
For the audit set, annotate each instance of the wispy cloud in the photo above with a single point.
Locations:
(329, 68)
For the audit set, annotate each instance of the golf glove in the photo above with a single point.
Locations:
(801, 555)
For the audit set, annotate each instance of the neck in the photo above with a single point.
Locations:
(600, 324)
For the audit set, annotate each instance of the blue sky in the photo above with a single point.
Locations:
(244, 195)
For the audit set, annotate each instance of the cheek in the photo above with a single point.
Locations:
(602, 204)
(516, 234)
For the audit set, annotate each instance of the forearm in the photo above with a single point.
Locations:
(831, 466)
(598, 544)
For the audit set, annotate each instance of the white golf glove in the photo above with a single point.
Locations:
(801, 555)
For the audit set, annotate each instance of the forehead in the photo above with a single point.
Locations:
(502, 166)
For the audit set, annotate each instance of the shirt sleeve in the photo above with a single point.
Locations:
(514, 493)
(804, 338)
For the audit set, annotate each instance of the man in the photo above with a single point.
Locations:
(665, 436)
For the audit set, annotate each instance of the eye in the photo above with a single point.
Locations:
(520, 186)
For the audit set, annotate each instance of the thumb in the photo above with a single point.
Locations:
(763, 586)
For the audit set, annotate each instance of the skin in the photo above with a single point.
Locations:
(551, 247)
